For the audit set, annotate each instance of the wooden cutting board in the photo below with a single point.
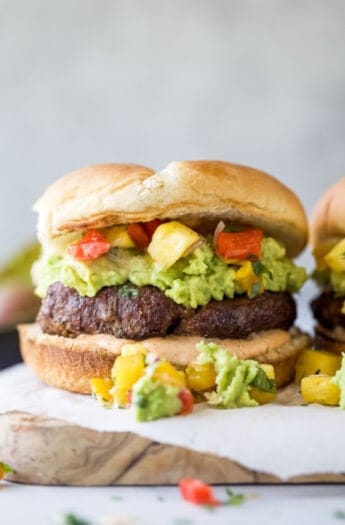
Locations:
(53, 452)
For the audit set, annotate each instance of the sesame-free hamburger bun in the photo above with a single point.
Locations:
(198, 194)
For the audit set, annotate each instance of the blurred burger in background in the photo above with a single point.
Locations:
(200, 250)
(327, 239)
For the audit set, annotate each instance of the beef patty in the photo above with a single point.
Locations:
(327, 309)
(139, 313)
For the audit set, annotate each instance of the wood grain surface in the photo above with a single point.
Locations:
(53, 452)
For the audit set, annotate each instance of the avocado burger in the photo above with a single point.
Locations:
(199, 251)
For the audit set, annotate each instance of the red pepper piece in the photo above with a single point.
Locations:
(187, 399)
(197, 492)
(151, 226)
(138, 235)
(240, 245)
(91, 245)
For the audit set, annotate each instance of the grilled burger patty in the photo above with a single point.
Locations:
(139, 313)
(327, 309)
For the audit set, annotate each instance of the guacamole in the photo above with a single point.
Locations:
(234, 377)
(152, 400)
(192, 281)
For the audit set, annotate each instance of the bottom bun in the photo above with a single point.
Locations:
(332, 340)
(70, 363)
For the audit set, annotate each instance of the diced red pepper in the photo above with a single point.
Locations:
(138, 235)
(187, 399)
(240, 245)
(151, 226)
(197, 492)
(91, 245)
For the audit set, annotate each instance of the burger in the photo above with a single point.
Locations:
(327, 239)
(199, 251)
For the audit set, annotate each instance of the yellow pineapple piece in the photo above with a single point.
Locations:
(171, 241)
(264, 397)
(127, 370)
(200, 377)
(320, 389)
(118, 237)
(246, 277)
(319, 255)
(167, 374)
(335, 258)
(101, 390)
(320, 361)
(121, 396)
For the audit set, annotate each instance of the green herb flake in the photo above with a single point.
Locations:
(233, 228)
(72, 519)
(128, 291)
(258, 267)
(251, 257)
(6, 468)
(263, 383)
(254, 290)
(234, 499)
(339, 515)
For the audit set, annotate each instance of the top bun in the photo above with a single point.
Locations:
(327, 223)
(197, 192)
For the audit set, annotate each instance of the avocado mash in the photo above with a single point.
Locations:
(152, 400)
(234, 377)
(339, 379)
(192, 281)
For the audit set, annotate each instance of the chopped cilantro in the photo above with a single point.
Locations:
(258, 267)
(128, 291)
(6, 469)
(339, 515)
(254, 290)
(232, 228)
(262, 382)
(72, 519)
(234, 499)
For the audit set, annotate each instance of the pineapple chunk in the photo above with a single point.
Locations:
(311, 362)
(118, 237)
(127, 370)
(171, 241)
(101, 390)
(320, 389)
(335, 259)
(246, 277)
(167, 374)
(200, 377)
(264, 397)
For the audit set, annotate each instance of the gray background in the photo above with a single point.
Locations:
(255, 82)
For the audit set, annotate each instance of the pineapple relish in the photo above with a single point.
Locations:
(188, 268)
(153, 388)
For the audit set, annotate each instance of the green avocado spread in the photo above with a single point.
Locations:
(152, 400)
(234, 377)
(192, 281)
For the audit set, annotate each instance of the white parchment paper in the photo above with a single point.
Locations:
(277, 439)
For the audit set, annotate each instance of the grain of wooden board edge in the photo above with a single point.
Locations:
(53, 452)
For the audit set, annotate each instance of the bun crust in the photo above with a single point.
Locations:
(197, 192)
(70, 363)
(327, 224)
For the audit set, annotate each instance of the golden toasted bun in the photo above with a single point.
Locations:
(196, 192)
(70, 363)
(327, 223)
